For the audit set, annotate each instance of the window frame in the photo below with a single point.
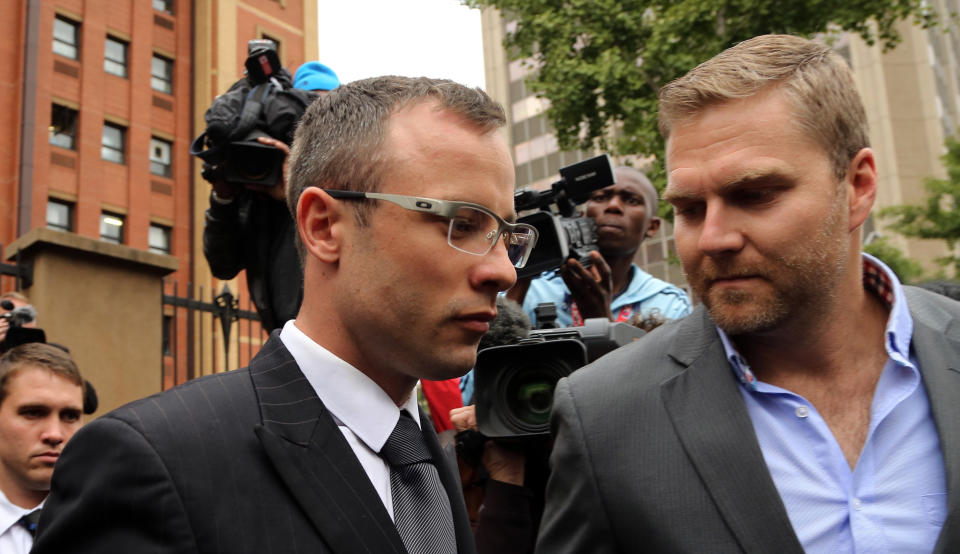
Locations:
(68, 206)
(72, 135)
(167, 6)
(67, 49)
(167, 168)
(167, 233)
(165, 80)
(116, 67)
(122, 227)
(104, 147)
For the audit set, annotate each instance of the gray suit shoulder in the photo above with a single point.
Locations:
(936, 310)
(646, 363)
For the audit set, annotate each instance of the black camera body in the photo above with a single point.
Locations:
(515, 383)
(563, 236)
(258, 105)
(17, 334)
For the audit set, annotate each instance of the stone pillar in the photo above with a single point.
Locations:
(105, 303)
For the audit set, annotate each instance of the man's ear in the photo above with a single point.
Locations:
(318, 222)
(653, 227)
(861, 183)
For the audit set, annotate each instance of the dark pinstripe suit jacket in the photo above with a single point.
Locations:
(655, 451)
(243, 461)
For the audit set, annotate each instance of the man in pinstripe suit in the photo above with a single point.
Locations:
(402, 190)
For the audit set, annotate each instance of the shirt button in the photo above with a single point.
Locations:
(857, 505)
(802, 411)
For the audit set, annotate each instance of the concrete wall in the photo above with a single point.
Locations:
(103, 302)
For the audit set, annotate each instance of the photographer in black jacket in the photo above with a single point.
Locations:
(251, 228)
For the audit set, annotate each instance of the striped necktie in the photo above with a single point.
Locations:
(421, 509)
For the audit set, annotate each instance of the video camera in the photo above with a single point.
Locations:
(238, 117)
(17, 334)
(563, 236)
(515, 383)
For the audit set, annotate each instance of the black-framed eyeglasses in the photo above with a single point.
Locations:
(474, 229)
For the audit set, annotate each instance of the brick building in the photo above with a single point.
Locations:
(103, 99)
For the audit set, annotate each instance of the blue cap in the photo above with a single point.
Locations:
(315, 76)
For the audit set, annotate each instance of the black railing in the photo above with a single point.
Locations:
(21, 271)
(190, 340)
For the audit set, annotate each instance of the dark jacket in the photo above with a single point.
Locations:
(256, 233)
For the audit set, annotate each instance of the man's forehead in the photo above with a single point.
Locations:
(20, 375)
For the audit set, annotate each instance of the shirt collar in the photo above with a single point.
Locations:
(10, 513)
(353, 398)
(879, 280)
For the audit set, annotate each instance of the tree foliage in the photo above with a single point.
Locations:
(600, 63)
(939, 217)
(907, 270)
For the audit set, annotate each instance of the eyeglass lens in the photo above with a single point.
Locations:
(474, 231)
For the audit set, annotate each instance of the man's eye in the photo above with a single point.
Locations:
(633, 201)
(464, 226)
(70, 416)
(688, 211)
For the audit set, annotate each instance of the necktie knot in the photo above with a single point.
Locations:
(405, 446)
(29, 521)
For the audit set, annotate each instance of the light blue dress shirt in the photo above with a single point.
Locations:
(644, 293)
(894, 500)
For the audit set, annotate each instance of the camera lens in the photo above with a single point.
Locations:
(528, 395)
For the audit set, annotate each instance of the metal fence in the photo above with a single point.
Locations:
(205, 334)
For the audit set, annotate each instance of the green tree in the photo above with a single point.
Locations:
(600, 63)
(939, 217)
(907, 270)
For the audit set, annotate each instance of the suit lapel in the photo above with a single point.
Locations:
(314, 460)
(450, 478)
(713, 425)
(939, 357)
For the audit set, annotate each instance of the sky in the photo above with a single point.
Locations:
(432, 38)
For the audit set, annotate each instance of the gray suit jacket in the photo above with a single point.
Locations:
(655, 450)
(247, 461)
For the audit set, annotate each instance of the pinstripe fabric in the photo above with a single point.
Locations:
(243, 462)
(421, 509)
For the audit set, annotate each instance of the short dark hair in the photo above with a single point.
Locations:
(339, 140)
(37, 354)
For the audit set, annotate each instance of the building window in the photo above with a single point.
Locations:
(160, 157)
(59, 215)
(112, 145)
(161, 74)
(111, 227)
(63, 127)
(165, 6)
(115, 57)
(66, 37)
(159, 239)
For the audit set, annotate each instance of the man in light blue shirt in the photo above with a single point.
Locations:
(613, 287)
(811, 403)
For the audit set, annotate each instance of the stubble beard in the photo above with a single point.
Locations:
(799, 286)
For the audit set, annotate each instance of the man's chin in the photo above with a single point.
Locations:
(739, 313)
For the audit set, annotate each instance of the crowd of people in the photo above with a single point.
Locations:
(808, 402)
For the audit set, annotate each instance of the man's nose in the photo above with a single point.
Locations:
(720, 232)
(54, 432)
(496, 269)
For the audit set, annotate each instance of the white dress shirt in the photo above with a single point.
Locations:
(366, 414)
(14, 538)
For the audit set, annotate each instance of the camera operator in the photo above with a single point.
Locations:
(250, 227)
(18, 301)
(613, 287)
